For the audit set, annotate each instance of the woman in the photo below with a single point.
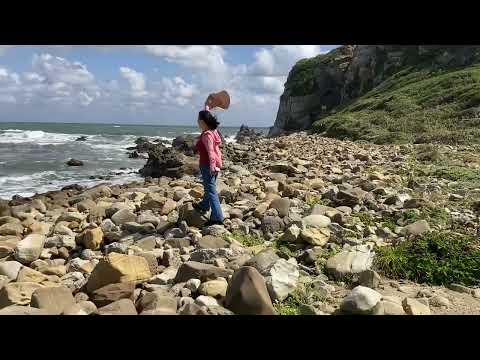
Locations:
(207, 146)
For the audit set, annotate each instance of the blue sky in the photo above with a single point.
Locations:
(144, 84)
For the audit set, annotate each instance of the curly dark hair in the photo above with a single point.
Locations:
(209, 119)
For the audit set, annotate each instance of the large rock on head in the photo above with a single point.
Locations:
(118, 268)
(30, 248)
(247, 293)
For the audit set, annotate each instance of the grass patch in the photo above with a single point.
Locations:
(304, 294)
(435, 259)
(312, 200)
(416, 104)
(247, 239)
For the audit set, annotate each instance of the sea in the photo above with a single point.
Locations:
(33, 156)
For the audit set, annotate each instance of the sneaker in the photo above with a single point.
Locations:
(211, 222)
(198, 208)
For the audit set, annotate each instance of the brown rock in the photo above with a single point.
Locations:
(197, 270)
(113, 292)
(118, 268)
(17, 293)
(212, 242)
(247, 293)
(52, 299)
(92, 238)
(120, 307)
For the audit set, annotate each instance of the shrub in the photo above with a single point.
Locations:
(434, 258)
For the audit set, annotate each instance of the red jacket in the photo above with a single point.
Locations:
(208, 147)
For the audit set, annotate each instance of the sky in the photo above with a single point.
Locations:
(144, 84)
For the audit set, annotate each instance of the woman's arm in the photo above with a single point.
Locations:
(208, 141)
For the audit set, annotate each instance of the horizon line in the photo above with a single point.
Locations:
(119, 124)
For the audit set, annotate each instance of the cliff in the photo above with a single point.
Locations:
(384, 93)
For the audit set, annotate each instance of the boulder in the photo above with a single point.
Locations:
(316, 221)
(29, 275)
(30, 248)
(417, 228)
(157, 303)
(123, 216)
(263, 261)
(113, 292)
(74, 162)
(247, 293)
(22, 310)
(350, 262)
(415, 307)
(191, 216)
(197, 270)
(214, 288)
(17, 293)
(120, 307)
(118, 268)
(15, 229)
(282, 279)
(10, 269)
(315, 236)
(92, 238)
(291, 234)
(282, 205)
(71, 216)
(167, 276)
(212, 242)
(361, 300)
(52, 299)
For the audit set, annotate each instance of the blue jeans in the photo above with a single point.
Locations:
(210, 197)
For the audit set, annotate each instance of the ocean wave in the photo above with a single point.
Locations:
(15, 136)
(41, 182)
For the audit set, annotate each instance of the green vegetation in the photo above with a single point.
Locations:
(247, 239)
(312, 200)
(304, 294)
(435, 258)
(301, 80)
(417, 104)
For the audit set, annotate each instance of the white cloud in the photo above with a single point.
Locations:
(58, 69)
(176, 91)
(136, 80)
(209, 57)
(278, 60)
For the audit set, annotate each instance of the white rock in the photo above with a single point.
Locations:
(166, 277)
(282, 279)
(203, 300)
(10, 269)
(362, 300)
(30, 248)
(193, 285)
(316, 221)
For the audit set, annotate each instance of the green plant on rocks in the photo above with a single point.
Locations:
(247, 239)
(434, 258)
(312, 200)
(304, 294)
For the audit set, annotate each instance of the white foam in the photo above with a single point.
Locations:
(15, 136)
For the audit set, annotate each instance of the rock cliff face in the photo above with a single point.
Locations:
(316, 87)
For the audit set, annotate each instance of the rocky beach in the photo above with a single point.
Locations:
(314, 226)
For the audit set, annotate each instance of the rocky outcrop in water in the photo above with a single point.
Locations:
(245, 135)
(162, 161)
(74, 162)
